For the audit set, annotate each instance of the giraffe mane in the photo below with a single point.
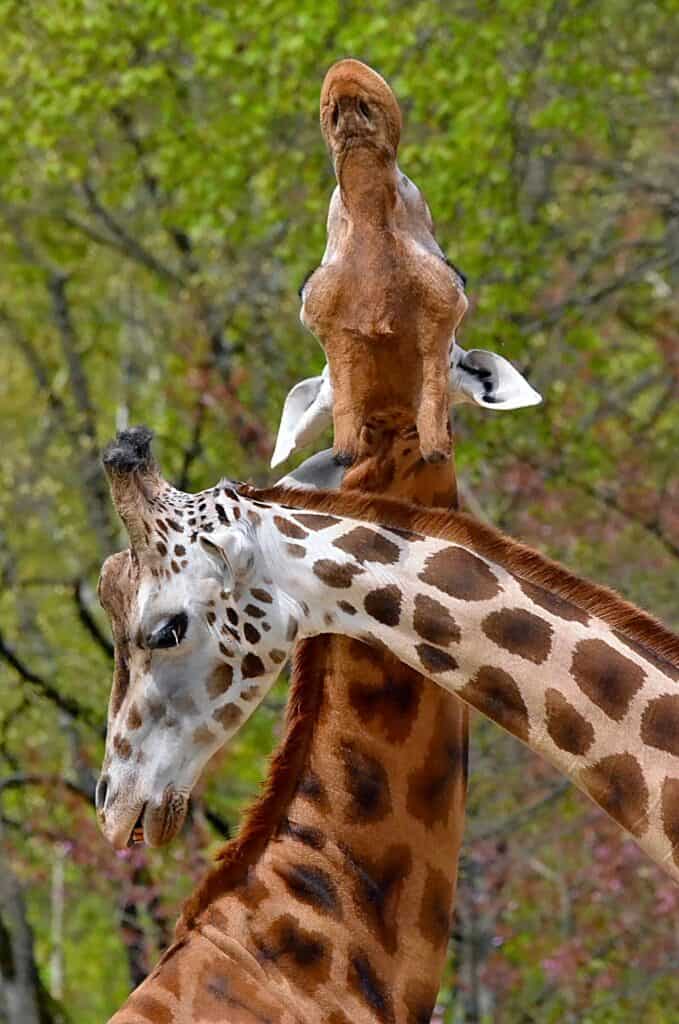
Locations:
(268, 810)
(530, 565)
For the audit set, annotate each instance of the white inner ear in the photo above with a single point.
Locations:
(487, 379)
(307, 411)
(231, 551)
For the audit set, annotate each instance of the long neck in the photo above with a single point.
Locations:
(367, 179)
(590, 697)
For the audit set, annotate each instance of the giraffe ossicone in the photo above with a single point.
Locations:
(207, 604)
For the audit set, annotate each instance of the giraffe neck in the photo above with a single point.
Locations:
(368, 183)
(557, 673)
(341, 884)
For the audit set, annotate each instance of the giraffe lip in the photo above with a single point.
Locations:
(163, 821)
(137, 833)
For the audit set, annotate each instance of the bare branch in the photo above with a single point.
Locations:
(68, 705)
(89, 621)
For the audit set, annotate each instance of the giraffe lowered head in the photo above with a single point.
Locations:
(199, 633)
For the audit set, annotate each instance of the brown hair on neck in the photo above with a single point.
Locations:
(636, 625)
(266, 813)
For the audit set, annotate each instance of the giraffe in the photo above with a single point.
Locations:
(385, 302)
(587, 680)
(398, 718)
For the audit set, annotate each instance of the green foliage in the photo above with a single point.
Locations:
(164, 160)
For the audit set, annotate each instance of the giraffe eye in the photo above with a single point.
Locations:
(171, 634)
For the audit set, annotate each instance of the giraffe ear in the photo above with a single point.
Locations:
(485, 378)
(306, 413)
(319, 471)
(231, 554)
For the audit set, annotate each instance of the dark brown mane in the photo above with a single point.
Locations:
(264, 816)
(636, 625)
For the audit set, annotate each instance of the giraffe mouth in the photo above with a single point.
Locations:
(137, 833)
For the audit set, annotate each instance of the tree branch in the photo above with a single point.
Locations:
(68, 705)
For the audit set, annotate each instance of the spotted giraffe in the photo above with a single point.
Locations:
(404, 725)
(303, 918)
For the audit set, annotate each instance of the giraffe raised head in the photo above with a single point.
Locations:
(358, 110)
(385, 302)
(199, 637)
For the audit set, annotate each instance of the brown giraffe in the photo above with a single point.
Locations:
(384, 302)
(399, 719)
(299, 922)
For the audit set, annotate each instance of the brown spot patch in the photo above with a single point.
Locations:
(312, 789)
(220, 681)
(384, 604)
(670, 814)
(347, 608)
(261, 595)
(553, 603)
(133, 718)
(660, 723)
(431, 787)
(202, 735)
(316, 520)
(252, 635)
(278, 657)
(609, 679)
(435, 908)
(122, 747)
(229, 715)
(302, 956)
(367, 786)
(390, 709)
(254, 612)
(311, 885)
(459, 573)
(365, 982)
(249, 693)
(568, 728)
(519, 632)
(378, 884)
(289, 529)
(368, 546)
(433, 660)
(334, 574)
(617, 784)
(252, 666)
(434, 622)
(496, 694)
(295, 550)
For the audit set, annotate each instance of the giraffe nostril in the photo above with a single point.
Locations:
(100, 792)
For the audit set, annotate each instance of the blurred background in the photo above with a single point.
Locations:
(163, 189)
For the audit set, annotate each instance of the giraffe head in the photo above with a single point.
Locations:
(358, 110)
(199, 632)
